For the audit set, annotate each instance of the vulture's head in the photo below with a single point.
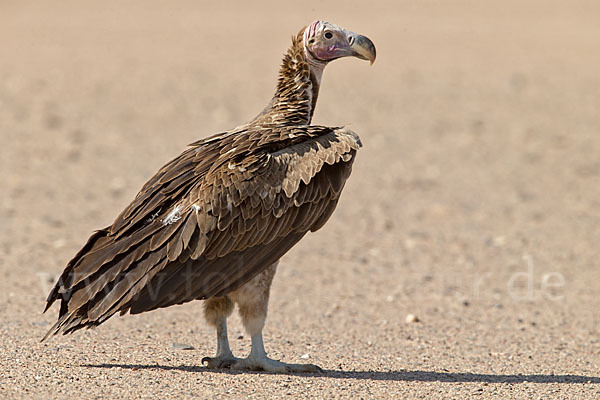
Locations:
(325, 42)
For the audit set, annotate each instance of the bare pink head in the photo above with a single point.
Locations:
(325, 42)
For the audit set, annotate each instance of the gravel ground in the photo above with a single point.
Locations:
(461, 262)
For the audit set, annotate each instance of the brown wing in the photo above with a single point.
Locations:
(208, 222)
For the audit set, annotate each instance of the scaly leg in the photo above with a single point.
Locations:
(252, 300)
(258, 360)
(216, 312)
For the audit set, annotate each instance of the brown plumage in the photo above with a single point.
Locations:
(223, 211)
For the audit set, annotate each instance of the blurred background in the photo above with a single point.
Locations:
(474, 204)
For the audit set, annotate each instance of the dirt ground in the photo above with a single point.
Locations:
(474, 204)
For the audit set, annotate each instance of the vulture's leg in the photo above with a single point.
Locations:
(216, 311)
(252, 300)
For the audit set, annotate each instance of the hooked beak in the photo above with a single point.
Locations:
(362, 47)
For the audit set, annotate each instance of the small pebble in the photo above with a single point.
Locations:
(499, 241)
(411, 318)
(410, 244)
(181, 346)
(305, 356)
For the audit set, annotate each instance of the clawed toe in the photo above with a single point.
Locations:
(269, 365)
(308, 368)
(219, 362)
(303, 368)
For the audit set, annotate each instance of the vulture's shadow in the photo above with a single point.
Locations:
(404, 376)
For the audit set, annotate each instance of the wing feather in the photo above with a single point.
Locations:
(208, 222)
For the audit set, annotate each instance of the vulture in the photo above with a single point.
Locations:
(213, 223)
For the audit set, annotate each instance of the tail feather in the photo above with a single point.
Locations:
(96, 284)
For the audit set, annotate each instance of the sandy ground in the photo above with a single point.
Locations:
(474, 204)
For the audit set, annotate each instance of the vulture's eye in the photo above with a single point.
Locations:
(328, 35)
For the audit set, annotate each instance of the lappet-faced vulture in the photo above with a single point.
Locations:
(213, 223)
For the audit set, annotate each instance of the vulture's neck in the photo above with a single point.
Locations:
(297, 88)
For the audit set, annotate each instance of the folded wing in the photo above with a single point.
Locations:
(208, 222)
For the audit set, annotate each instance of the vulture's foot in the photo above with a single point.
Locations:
(220, 362)
(270, 365)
